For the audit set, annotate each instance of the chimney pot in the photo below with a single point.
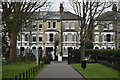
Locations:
(114, 8)
(61, 8)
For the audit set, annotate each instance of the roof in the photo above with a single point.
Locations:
(109, 16)
(54, 15)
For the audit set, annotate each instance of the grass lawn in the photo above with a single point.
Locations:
(10, 70)
(95, 70)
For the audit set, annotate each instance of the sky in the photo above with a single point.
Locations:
(66, 4)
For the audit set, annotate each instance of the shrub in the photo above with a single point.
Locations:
(108, 57)
(76, 56)
(89, 45)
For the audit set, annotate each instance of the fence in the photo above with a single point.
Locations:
(26, 75)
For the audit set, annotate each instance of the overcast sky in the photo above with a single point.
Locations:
(66, 4)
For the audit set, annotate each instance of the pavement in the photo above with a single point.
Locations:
(59, 70)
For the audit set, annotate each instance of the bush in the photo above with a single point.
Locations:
(77, 56)
(109, 57)
(27, 57)
(89, 45)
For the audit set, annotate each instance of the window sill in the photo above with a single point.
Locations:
(66, 28)
(72, 28)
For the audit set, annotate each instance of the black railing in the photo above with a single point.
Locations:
(26, 75)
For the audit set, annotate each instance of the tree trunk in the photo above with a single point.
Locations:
(82, 51)
(13, 43)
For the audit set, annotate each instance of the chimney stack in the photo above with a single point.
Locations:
(114, 8)
(61, 8)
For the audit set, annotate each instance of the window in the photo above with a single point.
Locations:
(96, 28)
(72, 25)
(74, 37)
(54, 24)
(34, 50)
(96, 38)
(26, 38)
(69, 37)
(49, 24)
(34, 38)
(105, 25)
(51, 37)
(40, 26)
(108, 37)
(65, 37)
(110, 26)
(102, 38)
(18, 37)
(34, 26)
(67, 25)
(40, 39)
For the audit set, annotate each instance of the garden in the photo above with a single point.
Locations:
(101, 64)
(24, 67)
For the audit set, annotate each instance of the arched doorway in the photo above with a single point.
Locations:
(40, 51)
(96, 48)
(34, 50)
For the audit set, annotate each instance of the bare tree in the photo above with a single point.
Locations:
(88, 12)
(14, 16)
(55, 45)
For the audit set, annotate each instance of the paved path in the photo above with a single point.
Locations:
(59, 70)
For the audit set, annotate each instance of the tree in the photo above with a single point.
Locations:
(55, 45)
(88, 12)
(14, 17)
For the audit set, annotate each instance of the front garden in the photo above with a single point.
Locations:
(104, 64)
(11, 70)
(97, 71)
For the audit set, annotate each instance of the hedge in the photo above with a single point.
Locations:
(108, 57)
(111, 53)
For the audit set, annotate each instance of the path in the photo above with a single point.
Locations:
(59, 70)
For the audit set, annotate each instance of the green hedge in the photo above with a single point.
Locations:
(108, 57)
(111, 53)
